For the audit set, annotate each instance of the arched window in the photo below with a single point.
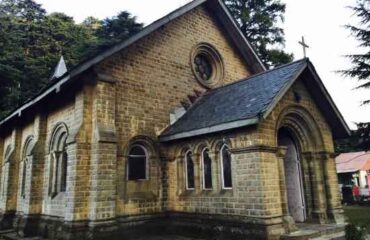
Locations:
(137, 163)
(189, 170)
(27, 151)
(207, 169)
(226, 178)
(59, 160)
(7, 153)
(5, 171)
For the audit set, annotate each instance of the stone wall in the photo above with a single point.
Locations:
(128, 99)
(258, 185)
(55, 206)
(152, 77)
(254, 199)
(23, 203)
(314, 137)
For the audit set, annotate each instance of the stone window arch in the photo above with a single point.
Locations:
(141, 152)
(189, 171)
(26, 159)
(58, 160)
(226, 172)
(137, 164)
(5, 171)
(207, 169)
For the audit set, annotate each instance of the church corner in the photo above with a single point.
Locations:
(179, 130)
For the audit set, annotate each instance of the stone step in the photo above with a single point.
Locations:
(13, 236)
(2, 232)
(335, 236)
(316, 231)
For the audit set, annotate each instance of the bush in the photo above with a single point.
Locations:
(354, 232)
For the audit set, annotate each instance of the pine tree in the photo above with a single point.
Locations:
(361, 62)
(360, 69)
(117, 28)
(21, 39)
(259, 21)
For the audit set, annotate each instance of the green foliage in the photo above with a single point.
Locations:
(259, 21)
(361, 62)
(31, 43)
(363, 135)
(348, 144)
(360, 68)
(353, 232)
(117, 28)
(22, 39)
(358, 141)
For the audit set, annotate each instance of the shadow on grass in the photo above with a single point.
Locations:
(358, 215)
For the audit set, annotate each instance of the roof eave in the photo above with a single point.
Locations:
(308, 65)
(212, 129)
(339, 116)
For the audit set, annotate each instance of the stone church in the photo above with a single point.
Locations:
(179, 130)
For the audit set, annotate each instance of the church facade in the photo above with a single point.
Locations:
(179, 129)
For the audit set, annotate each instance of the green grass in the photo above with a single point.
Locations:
(358, 215)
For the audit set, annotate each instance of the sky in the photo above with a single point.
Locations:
(320, 22)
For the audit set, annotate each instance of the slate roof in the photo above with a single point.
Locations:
(238, 104)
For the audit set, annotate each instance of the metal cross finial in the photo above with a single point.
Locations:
(304, 45)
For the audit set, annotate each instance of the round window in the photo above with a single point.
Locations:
(203, 67)
(207, 65)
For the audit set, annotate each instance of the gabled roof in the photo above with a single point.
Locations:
(250, 100)
(353, 162)
(216, 6)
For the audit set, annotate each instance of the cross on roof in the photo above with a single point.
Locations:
(304, 46)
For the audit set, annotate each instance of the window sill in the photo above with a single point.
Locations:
(209, 192)
(188, 193)
(138, 180)
(57, 196)
(142, 196)
(227, 192)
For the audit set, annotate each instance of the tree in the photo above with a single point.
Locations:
(31, 43)
(21, 40)
(69, 39)
(363, 134)
(361, 62)
(259, 20)
(117, 28)
(360, 69)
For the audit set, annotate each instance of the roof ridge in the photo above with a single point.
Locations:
(259, 74)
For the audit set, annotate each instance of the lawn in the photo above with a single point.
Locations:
(358, 215)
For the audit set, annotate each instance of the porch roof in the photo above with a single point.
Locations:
(249, 101)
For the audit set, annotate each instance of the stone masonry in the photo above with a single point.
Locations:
(127, 99)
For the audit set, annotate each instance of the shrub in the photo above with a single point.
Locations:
(354, 232)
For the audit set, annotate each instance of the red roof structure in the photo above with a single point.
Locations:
(353, 162)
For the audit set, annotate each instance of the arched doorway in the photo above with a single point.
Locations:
(293, 175)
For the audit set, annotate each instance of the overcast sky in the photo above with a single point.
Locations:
(320, 22)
